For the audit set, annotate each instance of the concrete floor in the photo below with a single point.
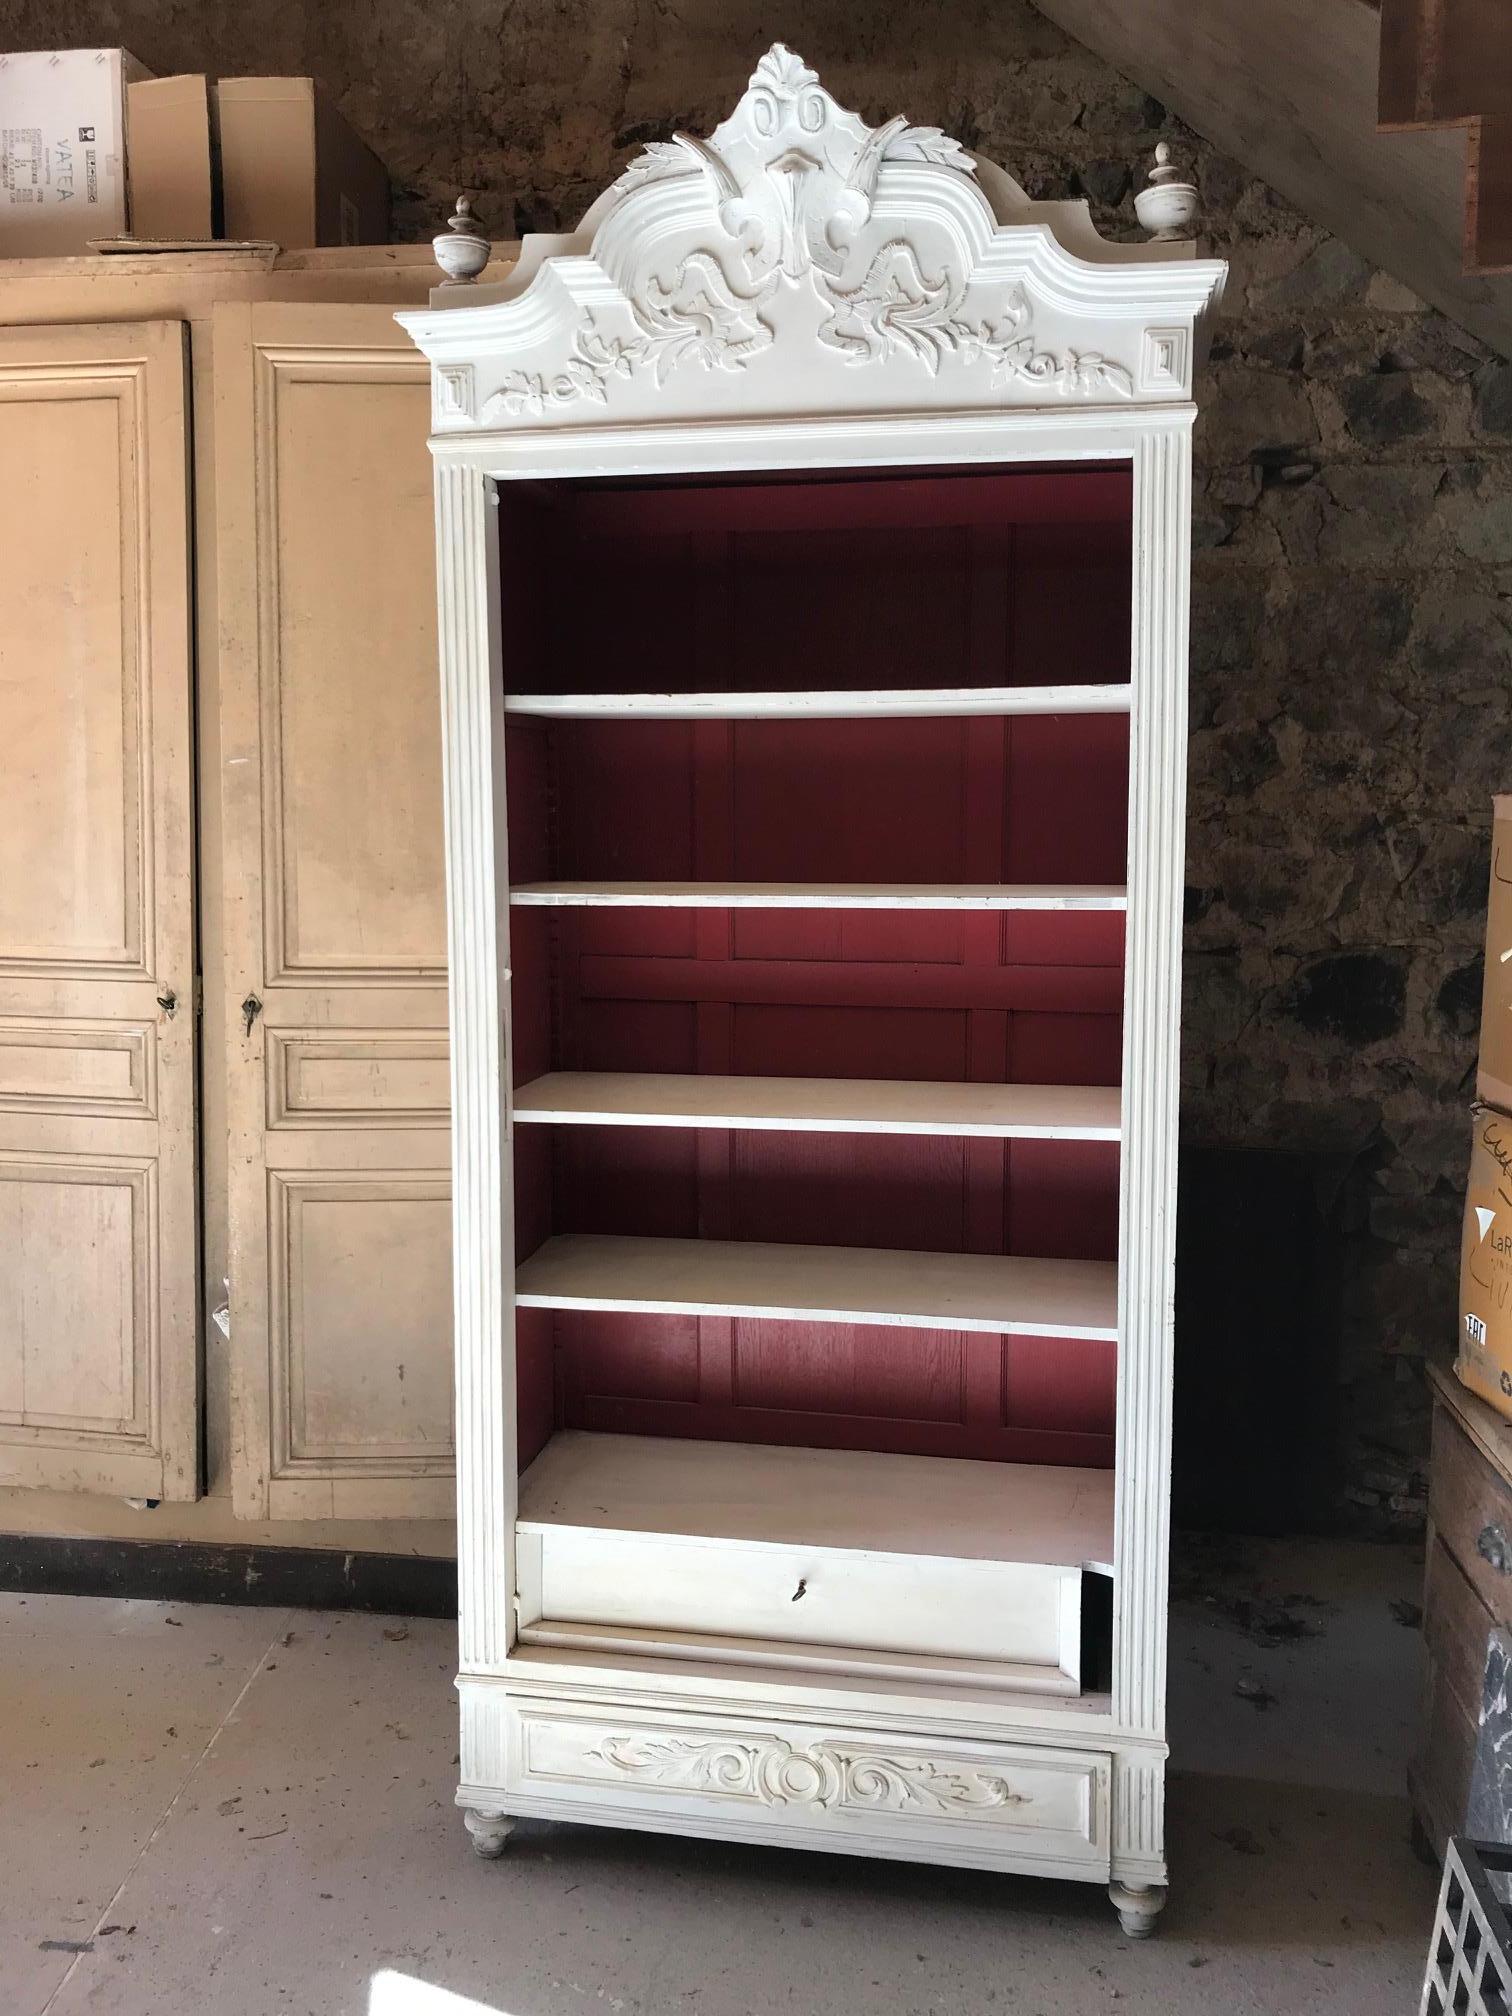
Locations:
(236, 1812)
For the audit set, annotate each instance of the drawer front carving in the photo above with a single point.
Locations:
(1057, 1800)
(826, 1775)
(97, 1068)
(1471, 1509)
(357, 1078)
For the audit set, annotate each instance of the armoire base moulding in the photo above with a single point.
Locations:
(885, 1777)
(813, 528)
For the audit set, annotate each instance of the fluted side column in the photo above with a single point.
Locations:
(1151, 1076)
(477, 925)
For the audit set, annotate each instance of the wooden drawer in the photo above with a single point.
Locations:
(913, 1567)
(791, 1605)
(817, 1785)
(1471, 1509)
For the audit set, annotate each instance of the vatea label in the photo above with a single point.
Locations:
(34, 169)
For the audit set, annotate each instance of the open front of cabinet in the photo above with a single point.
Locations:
(817, 996)
(813, 613)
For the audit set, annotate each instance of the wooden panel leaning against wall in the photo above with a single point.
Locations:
(99, 1383)
(335, 927)
(42, 301)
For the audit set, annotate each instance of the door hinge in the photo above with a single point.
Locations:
(199, 997)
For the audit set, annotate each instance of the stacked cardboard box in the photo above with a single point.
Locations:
(94, 148)
(1485, 1324)
(63, 148)
(293, 170)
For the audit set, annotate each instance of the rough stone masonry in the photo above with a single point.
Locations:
(1352, 624)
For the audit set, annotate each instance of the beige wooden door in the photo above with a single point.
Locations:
(335, 980)
(99, 1379)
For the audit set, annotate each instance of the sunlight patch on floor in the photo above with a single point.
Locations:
(391, 1994)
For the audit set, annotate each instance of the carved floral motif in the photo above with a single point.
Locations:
(700, 316)
(823, 1775)
(896, 308)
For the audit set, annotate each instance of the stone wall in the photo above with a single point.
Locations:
(1353, 576)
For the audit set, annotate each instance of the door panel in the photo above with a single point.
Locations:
(358, 1257)
(74, 691)
(340, 1233)
(99, 1379)
(357, 885)
(74, 1315)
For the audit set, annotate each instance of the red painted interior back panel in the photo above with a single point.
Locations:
(913, 581)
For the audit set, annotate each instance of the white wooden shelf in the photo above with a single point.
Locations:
(821, 895)
(824, 706)
(821, 1105)
(823, 1284)
(944, 1506)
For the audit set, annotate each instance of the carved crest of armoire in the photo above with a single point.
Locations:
(813, 542)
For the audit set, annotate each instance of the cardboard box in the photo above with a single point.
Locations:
(293, 170)
(63, 148)
(1484, 1363)
(1493, 1081)
(168, 158)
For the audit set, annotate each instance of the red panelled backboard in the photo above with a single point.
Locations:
(925, 581)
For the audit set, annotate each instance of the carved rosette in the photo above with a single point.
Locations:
(824, 1775)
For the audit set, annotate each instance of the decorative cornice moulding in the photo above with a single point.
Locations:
(800, 261)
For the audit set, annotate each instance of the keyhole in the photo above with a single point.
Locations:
(251, 1008)
(801, 1590)
(168, 1002)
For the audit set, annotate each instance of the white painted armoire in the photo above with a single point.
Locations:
(813, 554)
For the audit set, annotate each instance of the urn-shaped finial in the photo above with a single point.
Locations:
(461, 249)
(1167, 206)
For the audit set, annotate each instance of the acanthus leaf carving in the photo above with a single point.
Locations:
(928, 143)
(824, 1775)
(657, 161)
(896, 307)
(699, 316)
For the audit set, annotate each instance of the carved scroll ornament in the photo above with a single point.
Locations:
(823, 1775)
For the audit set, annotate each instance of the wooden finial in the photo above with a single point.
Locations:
(461, 249)
(1167, 206)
